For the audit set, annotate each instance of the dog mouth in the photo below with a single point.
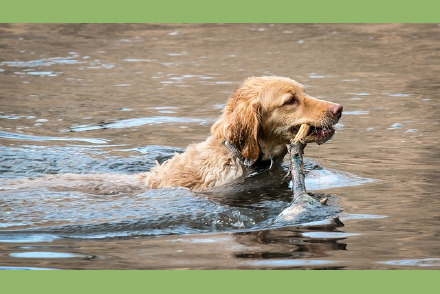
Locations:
(317, 135)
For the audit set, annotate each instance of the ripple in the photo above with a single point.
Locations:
(395, 126)
(137, 60)
(12, 224)
(356, 112)
(21, 268)
(425, 262)
(361, 216)
(48, 254)
(360, 94)
(76, 198)
(46, 62)
(21, 238)
(44, 73)
(291, 262)
(178, 53)
(327, 179)
(316, 76)
(165, 109)
(328, 235)
(222, 83)
(35, 161)
(24, 137)
(42, 62)
(13, 116)
(397, 95)
(136, 122)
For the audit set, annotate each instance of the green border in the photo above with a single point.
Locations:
(220, 282)
(175, 11)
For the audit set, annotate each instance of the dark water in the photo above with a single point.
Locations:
(84, 108)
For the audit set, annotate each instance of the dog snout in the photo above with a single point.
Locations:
(337, 109)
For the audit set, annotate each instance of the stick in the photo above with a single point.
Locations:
(296, 151)
(302, 203)
(302, 134)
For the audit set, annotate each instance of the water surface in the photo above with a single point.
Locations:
(85, 107)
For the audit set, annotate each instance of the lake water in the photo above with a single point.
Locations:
(84, 107)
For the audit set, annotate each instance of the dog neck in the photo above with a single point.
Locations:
(275, 151)
(234, 150)
(261, 163)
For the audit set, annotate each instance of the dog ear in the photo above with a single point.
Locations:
(240, 124)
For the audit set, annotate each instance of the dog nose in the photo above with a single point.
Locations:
(336, 109)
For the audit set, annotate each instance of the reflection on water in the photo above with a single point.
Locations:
(85, 108)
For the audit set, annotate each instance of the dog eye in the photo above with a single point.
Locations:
(292, 100)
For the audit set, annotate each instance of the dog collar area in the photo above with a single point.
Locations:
(234, 150)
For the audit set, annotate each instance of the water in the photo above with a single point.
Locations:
(84, 108)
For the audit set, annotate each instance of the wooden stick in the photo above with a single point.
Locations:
(303, 207)
(302, 202)
(301, 135)
(296, 151)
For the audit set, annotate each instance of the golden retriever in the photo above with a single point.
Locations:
(259, 119)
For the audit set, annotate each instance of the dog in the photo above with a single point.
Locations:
(259, 119)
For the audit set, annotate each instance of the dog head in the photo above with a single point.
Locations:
(264, 113)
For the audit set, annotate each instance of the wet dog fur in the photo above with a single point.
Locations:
(259, 119)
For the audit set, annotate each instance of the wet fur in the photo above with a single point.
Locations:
(260, 118)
